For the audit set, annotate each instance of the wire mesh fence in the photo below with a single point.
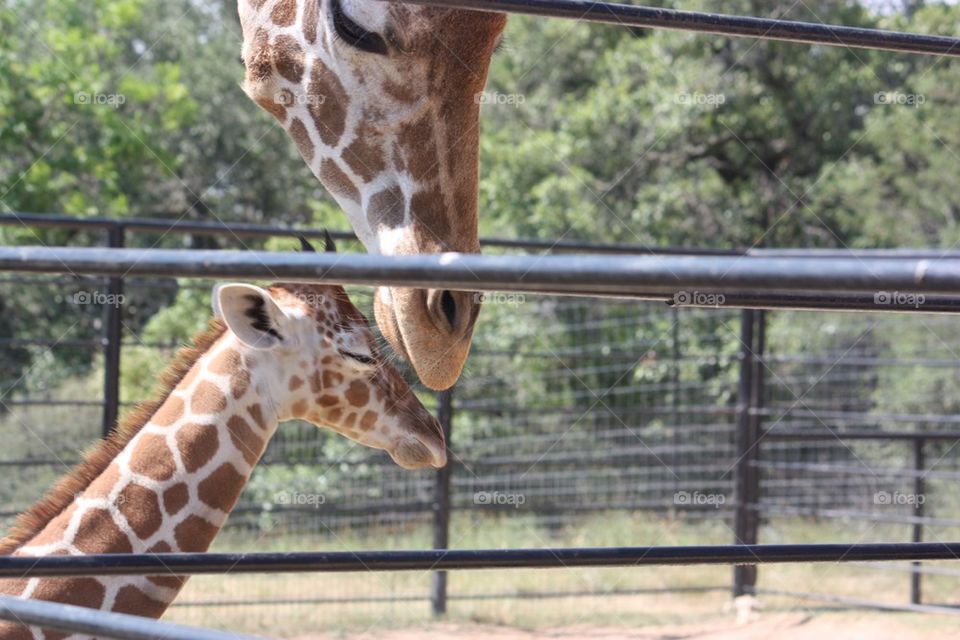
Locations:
(581, 422)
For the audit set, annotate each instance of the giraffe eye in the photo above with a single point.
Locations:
(359, 357)
(355, 35)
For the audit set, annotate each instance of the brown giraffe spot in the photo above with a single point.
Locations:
(417, 140)
(399, 91)
(328, 400)
(427, 208)
(197, 443)
(225, 363)
(141, 507)
(81, 592)
(357, 394)
(132, 600)
(369, 419)
(295, 383)
(311, 15)
(326, 360)
(332, 379)
(316, 382)
(337, 181)
(152, 458)
(299, 408)
(14, 631)
(98, 533)
(169, 412)
(207, 398)
(160, 547)
(194, 534)
(350, 421)
(284, 13)
(302, 139)
(288, 56)
(387, 208)
(244, 439)
(328, 104)
(239, 383)
(334, 415)
(104, 483)
(256, 412)
(221, 488)
(363, 155)
(175, 498)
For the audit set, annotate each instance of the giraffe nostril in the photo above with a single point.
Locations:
(449, 307)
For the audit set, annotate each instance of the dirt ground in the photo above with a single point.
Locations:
(781, 626)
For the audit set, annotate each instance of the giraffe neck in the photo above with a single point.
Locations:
(170, 488)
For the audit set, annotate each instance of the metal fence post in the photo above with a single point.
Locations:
(919, 489)
(746, 473)
(112, 336)
(441, 505)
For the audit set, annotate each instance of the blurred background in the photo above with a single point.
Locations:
(577, 422)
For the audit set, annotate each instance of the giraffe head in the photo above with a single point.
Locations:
(325, 368)
(381, 99)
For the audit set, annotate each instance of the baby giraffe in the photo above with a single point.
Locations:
(169, 475)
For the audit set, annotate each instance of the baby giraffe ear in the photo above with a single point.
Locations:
(252, 315)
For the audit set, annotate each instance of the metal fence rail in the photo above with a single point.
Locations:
(447, 559)
(894, 284)
(626, 15)
(102, 624)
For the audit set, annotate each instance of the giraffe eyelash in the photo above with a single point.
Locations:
(359, 357)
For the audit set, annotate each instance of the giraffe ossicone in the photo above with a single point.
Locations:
(169, 475)
(380, 98)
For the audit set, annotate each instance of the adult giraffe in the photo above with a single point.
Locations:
(381, 100)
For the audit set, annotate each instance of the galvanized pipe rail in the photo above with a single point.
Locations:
(626, 15)
(71, 619)
(449, 559)
(779, 282)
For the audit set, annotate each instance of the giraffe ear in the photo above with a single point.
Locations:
(252, 315)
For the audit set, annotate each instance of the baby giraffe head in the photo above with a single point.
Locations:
(322, 365)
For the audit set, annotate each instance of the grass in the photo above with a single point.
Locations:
(473, 531)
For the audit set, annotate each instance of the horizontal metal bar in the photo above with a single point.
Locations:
(102, 624)
(831, 435)
(719, 24)
(438, 559)
(674, 278)
(860, 603)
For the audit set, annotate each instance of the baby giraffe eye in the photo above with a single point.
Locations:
(359, 357)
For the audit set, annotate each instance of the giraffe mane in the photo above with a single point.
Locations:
(99, 456)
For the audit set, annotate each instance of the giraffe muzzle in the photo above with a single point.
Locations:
(412, 453)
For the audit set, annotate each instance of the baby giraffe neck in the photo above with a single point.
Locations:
(170, 487)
